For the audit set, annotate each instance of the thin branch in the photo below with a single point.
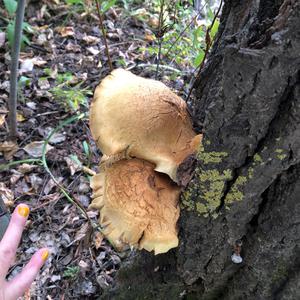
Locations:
(185, 29)
(160, 35)
(104, 35)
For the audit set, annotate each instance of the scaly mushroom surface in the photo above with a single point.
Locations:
(131, 116)
(138, 207)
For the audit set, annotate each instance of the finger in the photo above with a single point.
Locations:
(11, 238)
(17, 287)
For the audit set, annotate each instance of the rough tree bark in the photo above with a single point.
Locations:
(247, 176)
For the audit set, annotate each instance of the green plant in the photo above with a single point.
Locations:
(184, 41)
(11, 7)
(71, 272)
(71, 95)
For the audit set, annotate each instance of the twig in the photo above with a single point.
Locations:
(160, 35)
(104, 35)
(154, 66)
(12, 116)
(208, 45)
(13, 163)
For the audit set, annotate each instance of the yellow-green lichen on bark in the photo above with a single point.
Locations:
(207, 157)
(187, 203)
(257, 158)
(235, 193)
(250, 173)
(208, 192)
(212, 184)
(280, 155)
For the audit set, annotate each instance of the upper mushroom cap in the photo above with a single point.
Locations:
(138, 206)
(145, 117)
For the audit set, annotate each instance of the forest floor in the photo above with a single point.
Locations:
(59, 70)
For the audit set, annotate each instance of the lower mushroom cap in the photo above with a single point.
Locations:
(138, 207)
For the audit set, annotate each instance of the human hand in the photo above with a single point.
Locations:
(8, 246)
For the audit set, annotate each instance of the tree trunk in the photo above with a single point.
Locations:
(247, 177)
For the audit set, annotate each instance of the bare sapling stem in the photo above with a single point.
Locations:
(104, 35)
(12, 103)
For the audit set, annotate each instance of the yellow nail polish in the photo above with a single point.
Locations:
(23, 211)
(45, 255)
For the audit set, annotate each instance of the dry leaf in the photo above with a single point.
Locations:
(93, 50)
(9, 149)
(6, 194)
(149, 37)
(20, 117)
(26, 66)
(73, 166)
(51, 184)
(153, 22)
(81, 233)
(2, 39)
(15, 176)
(37, 61)
(91, 39)
(25, 168)
(35, 149)
(98, 238)
(73, 48)
(65, 31)
(2, 119)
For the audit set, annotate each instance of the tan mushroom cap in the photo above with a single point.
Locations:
(138, 207)
(144, 117)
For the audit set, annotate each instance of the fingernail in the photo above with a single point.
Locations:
(23, 211)
(45, 254)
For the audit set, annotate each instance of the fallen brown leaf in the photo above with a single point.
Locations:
(8, 149)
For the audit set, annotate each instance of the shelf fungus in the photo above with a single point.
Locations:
(131, 116)
(138, 206)
(145, 132)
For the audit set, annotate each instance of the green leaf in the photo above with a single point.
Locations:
(106, 5)
(10, 32)
(214, 28)
(75, 2)
(210, 14)
(199, 58)
(10, 6)
(86, 148)
(27, 27)
(24, 81)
